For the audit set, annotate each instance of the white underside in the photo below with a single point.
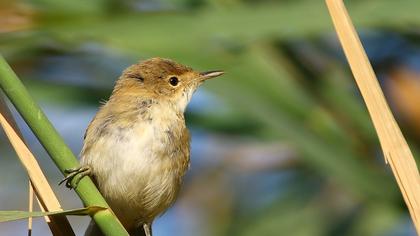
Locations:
(135, 180)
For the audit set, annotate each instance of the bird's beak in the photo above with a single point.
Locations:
(210, 74)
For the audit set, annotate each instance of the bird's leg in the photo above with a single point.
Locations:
(147, 229)
(77, 174)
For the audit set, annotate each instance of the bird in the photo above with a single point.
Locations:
(137, 147)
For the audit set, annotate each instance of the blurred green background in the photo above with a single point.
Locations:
(282, 144)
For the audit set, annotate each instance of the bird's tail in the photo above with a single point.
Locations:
(93, 230)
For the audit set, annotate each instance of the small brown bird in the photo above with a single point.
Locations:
(137, 147)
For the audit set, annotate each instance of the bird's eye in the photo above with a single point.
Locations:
(173, 81)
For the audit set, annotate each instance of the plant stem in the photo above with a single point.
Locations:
(56, 148)
(396, 151)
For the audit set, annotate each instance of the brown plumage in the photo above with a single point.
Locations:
(137, 147)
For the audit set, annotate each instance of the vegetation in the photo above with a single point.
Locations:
(55, 146)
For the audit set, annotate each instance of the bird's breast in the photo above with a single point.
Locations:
(139, 168)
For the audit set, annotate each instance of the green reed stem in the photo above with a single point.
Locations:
(56, 148)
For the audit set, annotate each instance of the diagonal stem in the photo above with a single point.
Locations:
(56, 147)
(396, 151)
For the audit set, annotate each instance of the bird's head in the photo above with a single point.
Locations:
(162, 79)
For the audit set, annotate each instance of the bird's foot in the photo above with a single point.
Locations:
(75, 174)
(147, 229)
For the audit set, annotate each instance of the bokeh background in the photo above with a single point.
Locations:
(281, 145)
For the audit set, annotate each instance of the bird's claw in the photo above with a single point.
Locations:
(75, 173)
(147, 227)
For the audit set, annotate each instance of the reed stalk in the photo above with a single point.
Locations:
(56, 148)
(396, 151)
(59, 225)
